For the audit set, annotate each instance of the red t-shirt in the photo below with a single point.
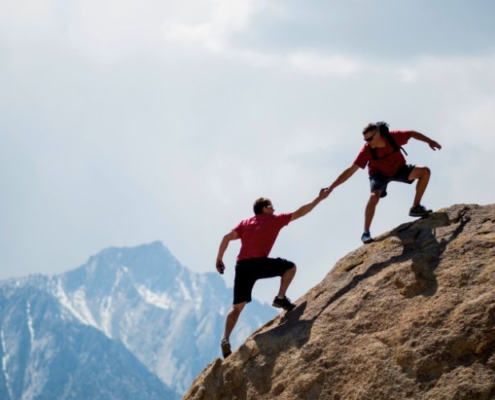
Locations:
(258, 234)
(389, 161)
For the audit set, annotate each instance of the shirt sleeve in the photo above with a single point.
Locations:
(401, 137)
(363, 157)
(284, 218)
(239, 228)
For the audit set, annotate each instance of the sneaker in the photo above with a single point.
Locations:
(283, 303)
(419, 211)
(225, 345)
(366, 238)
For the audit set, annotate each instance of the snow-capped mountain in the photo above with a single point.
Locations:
(132, 323)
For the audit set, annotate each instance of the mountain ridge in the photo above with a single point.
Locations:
(158, 320)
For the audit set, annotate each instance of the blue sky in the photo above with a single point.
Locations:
(128, 122)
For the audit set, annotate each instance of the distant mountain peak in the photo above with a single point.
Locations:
(137, 305)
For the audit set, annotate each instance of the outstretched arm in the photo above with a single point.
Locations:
(422, 138)
(305, 209)
(346, 174)
(221, 250)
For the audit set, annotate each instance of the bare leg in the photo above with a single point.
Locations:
(369, 212)
(285, 281)
(422, 174)
(232, 317)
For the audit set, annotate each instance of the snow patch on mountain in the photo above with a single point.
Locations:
(160, 300)
(30, 322)
(75, 304)
(106, 315)
(5, 362)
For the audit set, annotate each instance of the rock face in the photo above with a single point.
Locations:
(409, 316)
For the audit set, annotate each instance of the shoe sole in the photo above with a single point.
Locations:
(420, 215)
(286, 309)
(366, 241)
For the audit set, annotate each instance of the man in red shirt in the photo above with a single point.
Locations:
(258, 235)
(386, 164)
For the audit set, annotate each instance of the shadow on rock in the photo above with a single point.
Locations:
(420, 246)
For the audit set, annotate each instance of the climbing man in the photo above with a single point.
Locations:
(258, 235)
(381, 153)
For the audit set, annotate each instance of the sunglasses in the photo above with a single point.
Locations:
(371, 137)
(269, 206)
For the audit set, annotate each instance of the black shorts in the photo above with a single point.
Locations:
(380, 182)
(248, 271)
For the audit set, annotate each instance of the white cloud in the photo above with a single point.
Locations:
(109, 29)
(211, 24)
(17, 15)
(407, 74)
(333, 65)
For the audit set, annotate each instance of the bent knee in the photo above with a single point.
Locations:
(375, 196)
(291, 270)
(425, 171)
(420, 172)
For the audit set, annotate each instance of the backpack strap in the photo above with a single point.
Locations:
(385, 134)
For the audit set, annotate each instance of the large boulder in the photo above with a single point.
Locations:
(409, 316)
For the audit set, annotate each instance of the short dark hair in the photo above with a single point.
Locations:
(259, 204)
(371, 127)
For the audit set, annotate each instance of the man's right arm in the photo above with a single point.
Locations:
(346, 174)
(223, 247)
(307, 208)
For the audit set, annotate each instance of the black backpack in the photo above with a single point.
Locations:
(385, 133)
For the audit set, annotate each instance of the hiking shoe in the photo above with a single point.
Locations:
(225, 345)
(366, 238)
(283, 303)
(419, 211)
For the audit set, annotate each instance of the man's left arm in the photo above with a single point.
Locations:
(423, 138)
(305, 209)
